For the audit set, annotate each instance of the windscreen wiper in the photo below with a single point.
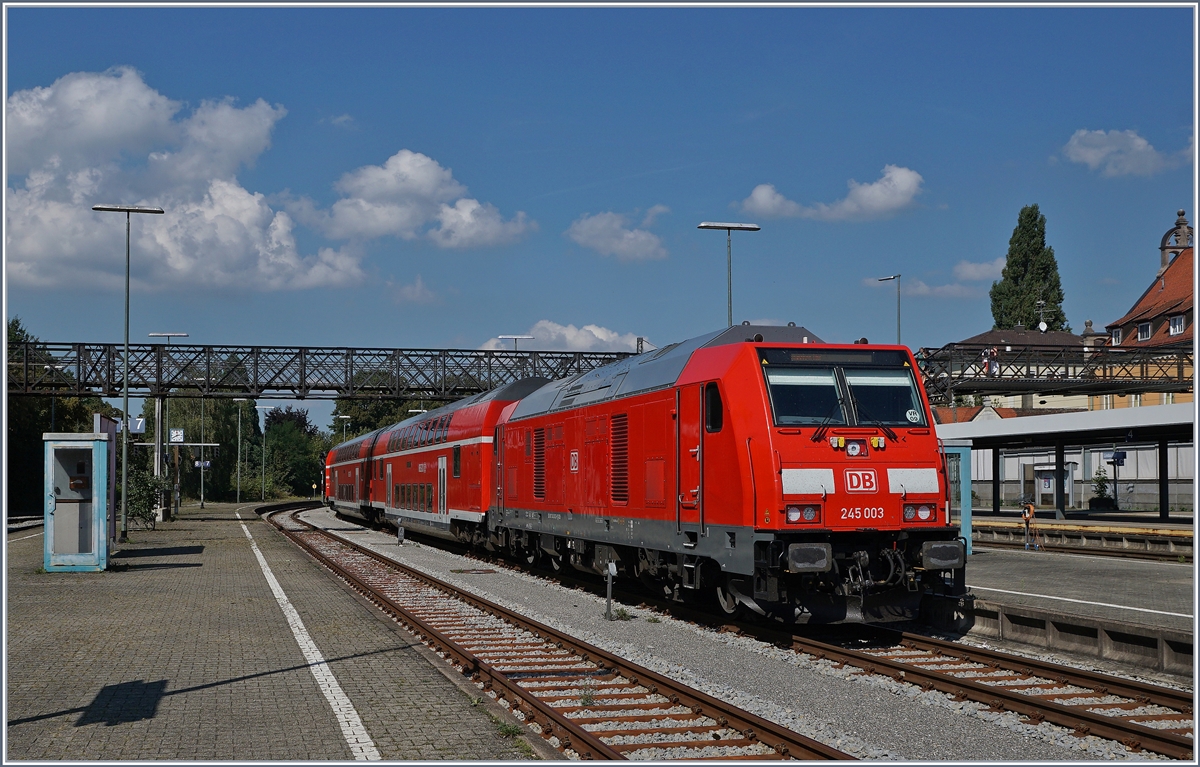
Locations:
(859, 409)
(823, 428)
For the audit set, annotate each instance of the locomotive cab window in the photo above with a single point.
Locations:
(804, 396)
(887, 397)
(713, 416)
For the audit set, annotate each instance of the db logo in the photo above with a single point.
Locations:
(861, 481)
(574, 461)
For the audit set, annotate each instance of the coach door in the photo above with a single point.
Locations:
(498, 450)
(358, 493)
(441, 488)
(391, 502)
(689, 464)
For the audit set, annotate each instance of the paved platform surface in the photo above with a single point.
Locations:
(181, 651)
(1158, 594)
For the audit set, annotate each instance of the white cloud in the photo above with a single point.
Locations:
(911, 286)
(87, 118)
(109, 138)
(550, 336)
(1122, 153)
(403, 197)
(654, 213)
(415, 293)
(609, 234)
(894, 191)
(470, 224)
(969, 271)
(765, 201)
(343, 121)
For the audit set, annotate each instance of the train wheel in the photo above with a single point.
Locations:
(727, 601)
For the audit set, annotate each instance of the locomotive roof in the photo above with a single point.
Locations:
(655, 369)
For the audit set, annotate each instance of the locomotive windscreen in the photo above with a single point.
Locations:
(805, 396)
(842, 386)
(886, 397)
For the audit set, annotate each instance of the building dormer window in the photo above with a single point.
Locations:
(1116, 337)
(1177, 324)
(1143, 331)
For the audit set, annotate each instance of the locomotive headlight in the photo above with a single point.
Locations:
(807, 514)
(924, 512)
(909, 513)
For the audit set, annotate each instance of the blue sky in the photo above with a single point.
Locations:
(437, 177)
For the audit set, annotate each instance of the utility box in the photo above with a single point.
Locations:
(76, 502)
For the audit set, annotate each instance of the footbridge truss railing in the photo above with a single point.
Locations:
(958, 369)
(273, 372)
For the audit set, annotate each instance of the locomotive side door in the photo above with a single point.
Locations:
(689, 458)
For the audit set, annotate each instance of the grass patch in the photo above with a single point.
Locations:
(621, 614)
(587, 695)
(653, 619)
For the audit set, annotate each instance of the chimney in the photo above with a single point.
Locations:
(1178, 238)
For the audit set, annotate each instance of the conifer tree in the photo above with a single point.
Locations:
(1030, 275)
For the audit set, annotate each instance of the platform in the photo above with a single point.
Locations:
(182, 651)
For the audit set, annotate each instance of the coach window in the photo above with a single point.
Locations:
(457, 460)
(713, 416)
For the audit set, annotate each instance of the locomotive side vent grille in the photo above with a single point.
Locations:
(539, 464)
(620, 457)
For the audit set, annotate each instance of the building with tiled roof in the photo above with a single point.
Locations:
(1162, 317)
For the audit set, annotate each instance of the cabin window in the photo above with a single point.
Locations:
(713, 416)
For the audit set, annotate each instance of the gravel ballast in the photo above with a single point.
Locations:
(869, 716)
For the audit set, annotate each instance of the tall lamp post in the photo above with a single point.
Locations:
(895, 277)
(729, 256)
(345, 420)
(514, 339)
(239, 470)
(126, 209)
(264, 453)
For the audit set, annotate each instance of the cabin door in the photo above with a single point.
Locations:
(689, 463)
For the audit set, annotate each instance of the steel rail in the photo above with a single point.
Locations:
(1130, 688)
(785, 743)
(1078, 718)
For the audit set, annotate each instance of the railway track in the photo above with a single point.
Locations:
(1090, 551)
(1138, 715)
(586, 702)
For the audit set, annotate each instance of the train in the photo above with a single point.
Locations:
(754, 468)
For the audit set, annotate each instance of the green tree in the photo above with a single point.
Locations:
(1030, 275)
(28, 418)
(369, 415)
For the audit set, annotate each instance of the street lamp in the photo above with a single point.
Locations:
(895, 277)
(513, 339)
(264, 453)
(729, 256)
(126, 209)
(345, 420)
(239, 471)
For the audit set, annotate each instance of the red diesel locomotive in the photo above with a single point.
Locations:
(799, 480)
